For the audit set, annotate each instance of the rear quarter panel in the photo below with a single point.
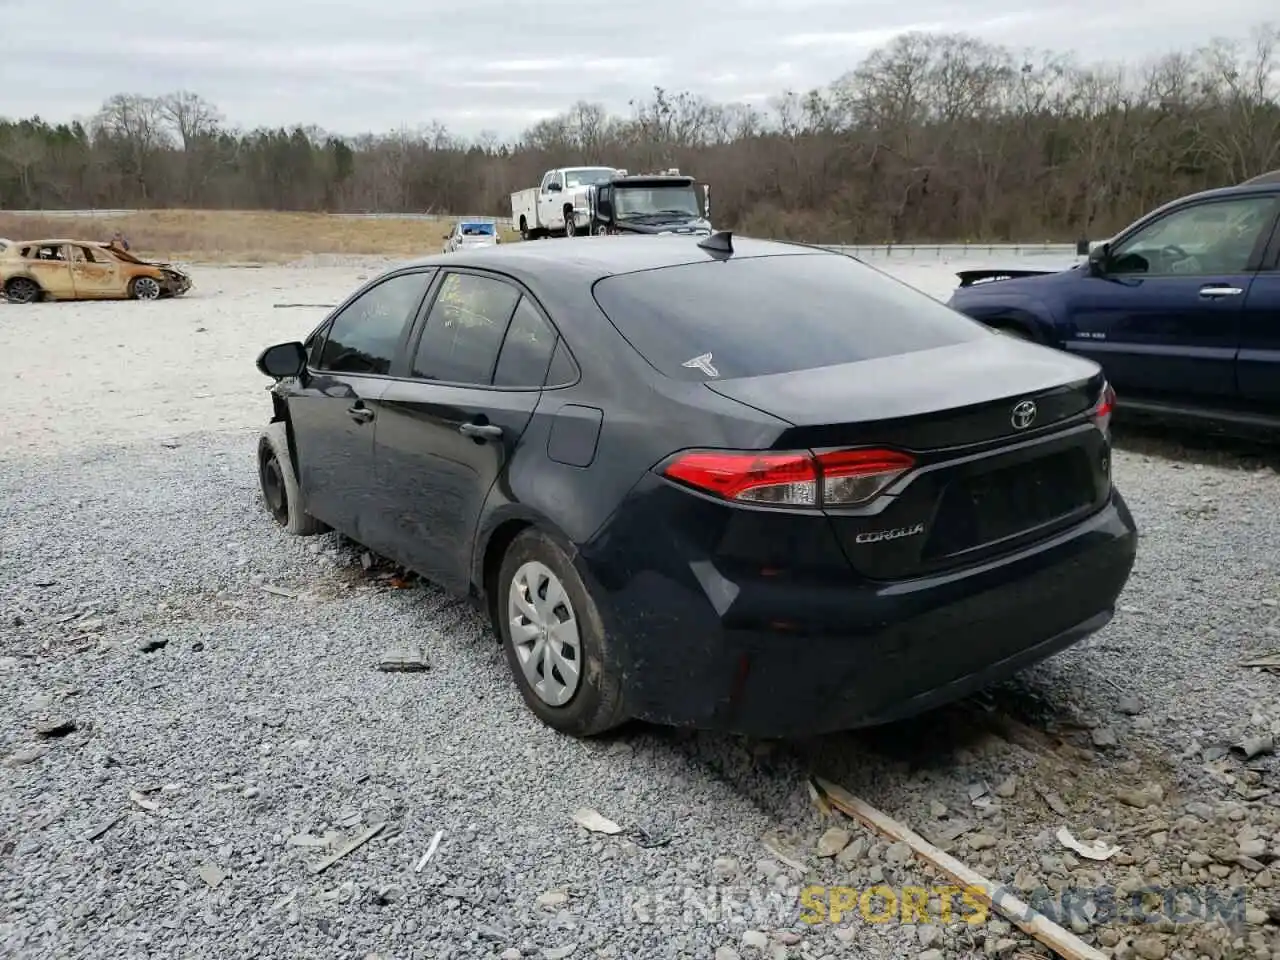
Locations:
(643, 418)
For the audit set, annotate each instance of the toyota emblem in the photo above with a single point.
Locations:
(1024, 415)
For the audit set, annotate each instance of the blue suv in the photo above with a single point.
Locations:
(1181, 309)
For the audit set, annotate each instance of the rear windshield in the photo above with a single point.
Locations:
(762, 315)
(477, 229)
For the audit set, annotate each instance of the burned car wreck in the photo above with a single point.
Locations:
(34, 270)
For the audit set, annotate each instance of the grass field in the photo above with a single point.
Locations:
(243, 236)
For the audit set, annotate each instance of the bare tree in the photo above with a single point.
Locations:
(932, 136)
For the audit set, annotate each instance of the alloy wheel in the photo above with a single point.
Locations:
(22, 290)
(146, 288)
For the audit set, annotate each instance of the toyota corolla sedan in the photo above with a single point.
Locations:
(729, 484)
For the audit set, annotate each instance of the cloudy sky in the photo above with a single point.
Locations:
(498, 65)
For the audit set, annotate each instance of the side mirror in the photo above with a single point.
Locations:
(446, 236)
(283, 360)
(1098, 257)
(554, 188)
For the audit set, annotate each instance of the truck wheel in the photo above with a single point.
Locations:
(570, 224)
(524, 229)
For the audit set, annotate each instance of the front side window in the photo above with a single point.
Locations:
(88, 255)
(585, 176)
(1211, 237)
(465, 329)
(364, 337)
(315, 344)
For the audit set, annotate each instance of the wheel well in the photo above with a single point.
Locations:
(1015, 323)
(523, 222)
(568, 209)
(13, 280)
(494, 551)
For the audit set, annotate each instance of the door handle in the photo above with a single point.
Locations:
(481, 431)
(1211, 292)
(360, 414)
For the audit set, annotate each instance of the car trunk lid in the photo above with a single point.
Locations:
(987, 479)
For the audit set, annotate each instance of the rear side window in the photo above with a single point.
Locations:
(526, 351)
(465, 329)
(756, 316)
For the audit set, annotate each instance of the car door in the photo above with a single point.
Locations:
(1258, 363)
(95, 273)
(450, 426)
(334, 409)
(1163, 314)
(549, 212)
(50, 266)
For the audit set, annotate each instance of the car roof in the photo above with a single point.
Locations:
(50, 243)
(587, 259)
(656, 180)
(1271, 176)
(1239, 190)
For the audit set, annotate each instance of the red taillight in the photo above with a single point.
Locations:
(1105, 405)
(793, 479)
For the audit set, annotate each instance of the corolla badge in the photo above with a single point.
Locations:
(897, 533)
(1024, 415)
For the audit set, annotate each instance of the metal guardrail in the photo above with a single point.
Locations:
(103, 214)
(913, 250)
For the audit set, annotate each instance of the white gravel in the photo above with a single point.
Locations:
(129, 516)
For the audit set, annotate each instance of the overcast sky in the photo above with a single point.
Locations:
(498, 65)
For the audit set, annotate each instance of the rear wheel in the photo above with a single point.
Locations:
(570, 223)
(22, 290)
(144, 288)
(280, 484)
(554, 640)
(524, 229)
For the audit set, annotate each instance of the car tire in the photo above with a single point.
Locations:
(144, 288)
(22, 290)
(570, 224)
(279, 484)
(536, 564)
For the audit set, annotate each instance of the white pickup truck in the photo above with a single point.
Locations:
(559, 204)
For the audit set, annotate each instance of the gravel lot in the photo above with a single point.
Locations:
(223, 732)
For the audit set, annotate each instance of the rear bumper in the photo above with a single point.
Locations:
(772, 659)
